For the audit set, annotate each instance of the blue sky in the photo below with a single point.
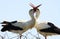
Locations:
(19, 10)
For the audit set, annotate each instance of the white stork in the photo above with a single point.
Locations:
(21, 27)
(47, 29)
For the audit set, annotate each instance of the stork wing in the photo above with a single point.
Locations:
(51, 25)
(51, 29)
(19, 24)
(14, 22)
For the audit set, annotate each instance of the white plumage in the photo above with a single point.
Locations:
(47, 29)
(28, 24)
(21, 27)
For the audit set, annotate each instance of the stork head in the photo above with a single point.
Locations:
(35, 10)
(34, 7)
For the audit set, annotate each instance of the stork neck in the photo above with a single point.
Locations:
(32, 17)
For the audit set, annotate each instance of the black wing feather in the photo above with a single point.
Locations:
(52, 29)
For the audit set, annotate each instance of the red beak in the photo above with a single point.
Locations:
(34, 7)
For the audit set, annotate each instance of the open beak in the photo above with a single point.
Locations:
(34, 7)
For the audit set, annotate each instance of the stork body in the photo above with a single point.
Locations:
(20, 27)
(24, 26)
(47, 29)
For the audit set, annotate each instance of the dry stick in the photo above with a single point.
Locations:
(7, 35)
(38, 35)
(33, 35)
(13, 37)
(23, 35)
(26, 36)
(17, 38)
(1, 37)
